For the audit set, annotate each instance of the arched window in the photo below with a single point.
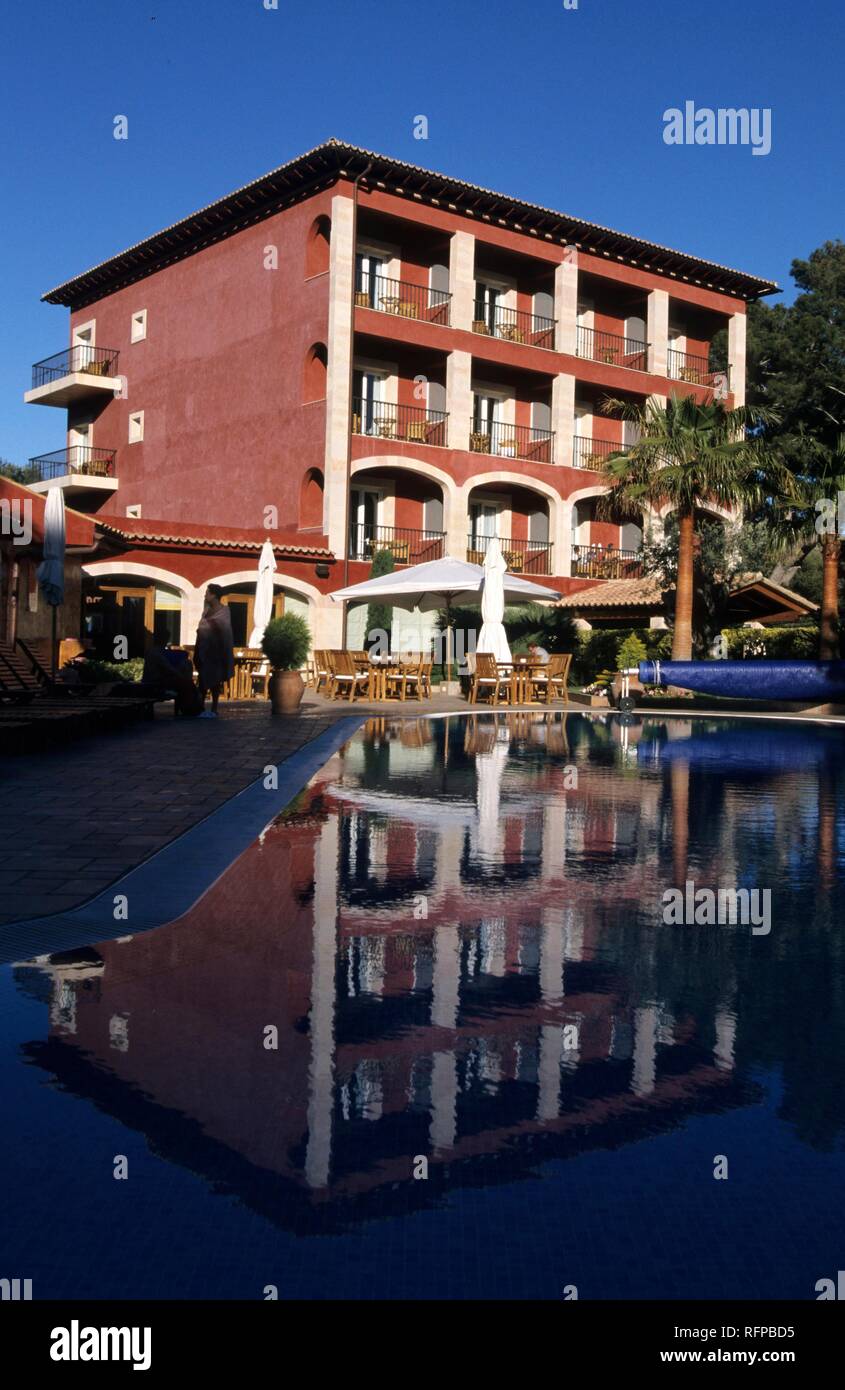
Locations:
(311, 501)
(314, 375)
(317, 248)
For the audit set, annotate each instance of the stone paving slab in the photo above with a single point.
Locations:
(74, 819)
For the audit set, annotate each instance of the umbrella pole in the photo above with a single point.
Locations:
(53, 643)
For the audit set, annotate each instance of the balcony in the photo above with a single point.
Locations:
(697, 371)
(79, 468)
(612, 349)
(513, 326)
(412, 424)
(521, 557)
(78, 372)
(605, 562)
(408, 547)
(591, 453)
(513, 442)
(402, 299)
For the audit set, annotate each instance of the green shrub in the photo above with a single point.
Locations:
(94, 672)
(379, 615)
(632, 650)
(598, 650)
(286, 642)
(771, 643)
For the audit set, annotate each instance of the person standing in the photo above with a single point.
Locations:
(214, 654)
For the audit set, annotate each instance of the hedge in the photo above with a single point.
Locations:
(784, 643)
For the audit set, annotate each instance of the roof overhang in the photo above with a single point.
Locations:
(327, 163)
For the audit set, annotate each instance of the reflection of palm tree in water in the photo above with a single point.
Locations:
(679, 784)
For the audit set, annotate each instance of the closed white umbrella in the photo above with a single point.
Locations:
(492, 637)
(263, 610)
(51, 572)
(437, 584)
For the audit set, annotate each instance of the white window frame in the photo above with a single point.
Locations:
(136, 421)
(134, 510)
(138, 326)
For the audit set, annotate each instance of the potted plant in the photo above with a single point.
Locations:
(286, 643)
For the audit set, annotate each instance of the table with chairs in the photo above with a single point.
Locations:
(520, 681)
(352, 675)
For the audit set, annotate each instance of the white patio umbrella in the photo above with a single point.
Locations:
(51, 571)
(263, 610)
(437, 584)
(492, 637)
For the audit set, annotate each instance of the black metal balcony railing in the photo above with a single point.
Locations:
(513, 325)
(521, 557)
(591, 453)
(612, 349)
(408, 547)
(605, 562)
(77, 458)
(513, 442)
(412, 423)
(95, 361)
(403, 299)
(698, 371)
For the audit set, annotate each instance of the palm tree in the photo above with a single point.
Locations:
(815, 518)
(689, 455)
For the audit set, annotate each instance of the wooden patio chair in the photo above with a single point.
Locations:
(331, 664)
(551, 684)
(348, 676)
(488, 680)
(407, 675)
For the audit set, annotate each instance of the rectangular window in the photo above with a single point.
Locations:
(134, 509)
(139, 326)
(136, 427)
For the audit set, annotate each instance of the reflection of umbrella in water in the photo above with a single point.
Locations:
(489, 768)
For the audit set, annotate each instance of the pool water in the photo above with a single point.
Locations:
(431, 1037)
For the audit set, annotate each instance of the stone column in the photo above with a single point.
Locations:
(566, 301)
(657, 331)
(736, 356)
(459, 398)
(339, 346)
(462, 281)
(563, 418)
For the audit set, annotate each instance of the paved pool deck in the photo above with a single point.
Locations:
(76, 819)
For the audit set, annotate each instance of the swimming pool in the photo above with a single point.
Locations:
(431, 1034)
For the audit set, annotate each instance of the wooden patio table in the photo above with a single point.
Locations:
(521, 675)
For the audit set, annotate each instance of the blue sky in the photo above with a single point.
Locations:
(562, 107)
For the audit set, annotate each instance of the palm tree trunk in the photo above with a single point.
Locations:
(682, 638)
(829, 632)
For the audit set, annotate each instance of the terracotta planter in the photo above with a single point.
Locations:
(286, 691)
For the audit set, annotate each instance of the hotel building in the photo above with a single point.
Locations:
(352, 354)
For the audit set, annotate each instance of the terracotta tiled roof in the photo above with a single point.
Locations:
(197, 536)
(322, 166)
(617, 593)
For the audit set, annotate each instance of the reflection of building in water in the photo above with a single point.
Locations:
(482, 999)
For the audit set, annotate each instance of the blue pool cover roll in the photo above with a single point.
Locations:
(751, 680)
